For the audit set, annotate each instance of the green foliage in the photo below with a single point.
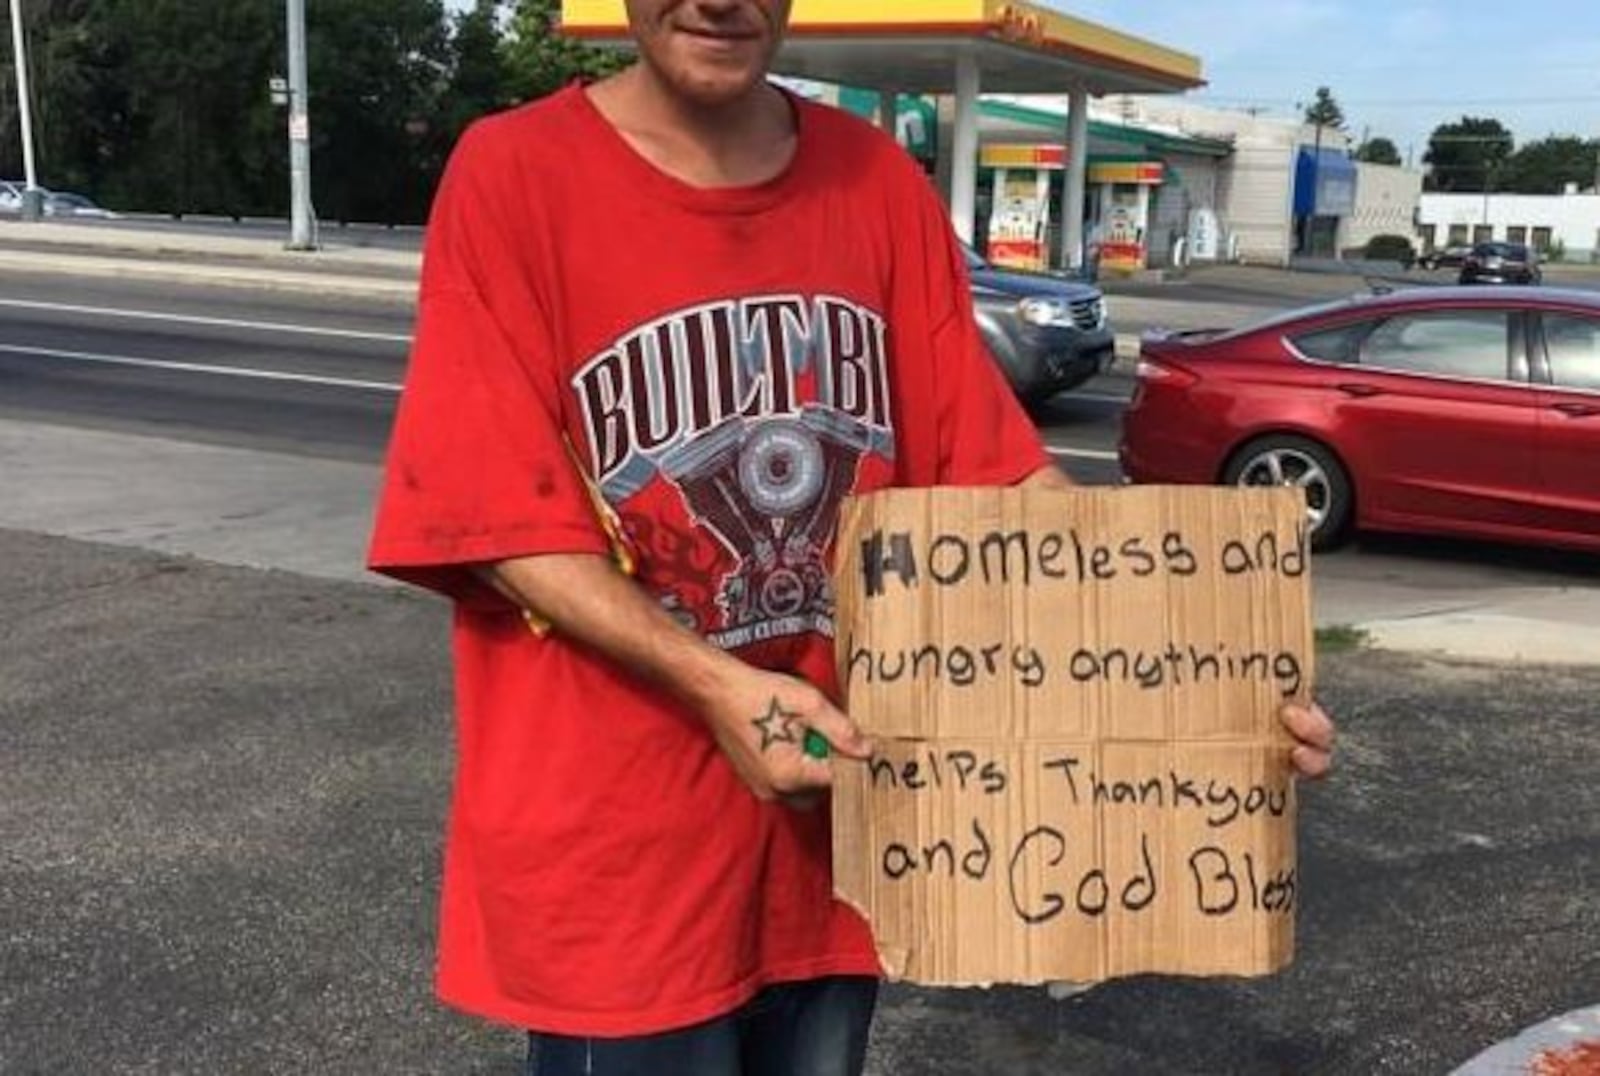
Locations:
(1378, 151)
(163, 105)
(1469, 155)
(378, 72)
(1341, 639)
(1548, 165)
(1324, 111)
(540, 61)
(478, 83)
(1390, 248)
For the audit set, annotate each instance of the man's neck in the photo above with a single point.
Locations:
(741, 143)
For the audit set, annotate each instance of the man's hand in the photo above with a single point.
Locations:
(1048, 477)
(760, 721)
(1310, 725)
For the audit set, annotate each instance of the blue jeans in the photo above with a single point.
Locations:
(815, 1028)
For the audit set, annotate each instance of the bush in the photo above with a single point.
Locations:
(1391, 248)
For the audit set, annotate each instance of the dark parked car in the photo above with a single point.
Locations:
(1500, 263)
(1468, 411)
(1048, 332)
(1450, 257)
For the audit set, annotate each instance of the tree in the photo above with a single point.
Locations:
(1378, 151)
(1469, 155)
(539, 60)
(1548, 165)
(74, 103)
(163, 104)
(479, 74)
(1324, 111)
(378, 71)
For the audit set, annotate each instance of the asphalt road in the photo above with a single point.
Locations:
(224, 792)
(268, 370)
(305, 376)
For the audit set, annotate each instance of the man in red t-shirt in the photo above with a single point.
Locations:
(668, 321)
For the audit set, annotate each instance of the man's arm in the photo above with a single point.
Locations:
(758, 718)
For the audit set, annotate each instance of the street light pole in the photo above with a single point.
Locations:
(32, 197)
(300, 233)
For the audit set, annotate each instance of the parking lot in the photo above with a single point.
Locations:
(225, 789)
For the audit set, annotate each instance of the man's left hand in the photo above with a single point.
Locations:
(1313, 728)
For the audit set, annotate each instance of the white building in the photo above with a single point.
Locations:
(1560, 226)
(1289, 189)
(1386, 204)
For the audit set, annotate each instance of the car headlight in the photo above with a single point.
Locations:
(1045, 311)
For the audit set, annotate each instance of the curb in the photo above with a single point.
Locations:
(1485, 636)
(227, 276)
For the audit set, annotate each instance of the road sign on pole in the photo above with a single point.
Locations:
(300, 212)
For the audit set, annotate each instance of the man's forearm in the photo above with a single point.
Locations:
(584, 597)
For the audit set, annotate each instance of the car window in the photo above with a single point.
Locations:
(1573, 345)
(1467, 344)
(1340, 344)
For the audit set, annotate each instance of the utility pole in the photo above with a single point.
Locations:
(300, 233)
(32, 196)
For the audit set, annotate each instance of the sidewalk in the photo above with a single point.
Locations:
(264, 510)
(246, 261)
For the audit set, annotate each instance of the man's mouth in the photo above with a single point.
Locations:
(719, 35)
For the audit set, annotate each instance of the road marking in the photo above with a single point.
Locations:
(201, 368)
(199, 319)
(1081, 453)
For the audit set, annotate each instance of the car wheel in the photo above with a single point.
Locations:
(1286, 460)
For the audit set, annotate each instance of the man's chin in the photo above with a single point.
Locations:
(716, 89)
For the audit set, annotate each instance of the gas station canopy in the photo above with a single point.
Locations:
(912, 46)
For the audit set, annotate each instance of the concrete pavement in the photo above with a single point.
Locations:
(244, 261)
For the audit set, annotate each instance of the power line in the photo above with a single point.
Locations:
(1409, 102)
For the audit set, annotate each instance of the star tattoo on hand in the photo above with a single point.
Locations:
(777, 726)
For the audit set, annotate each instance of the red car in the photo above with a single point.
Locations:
(1444, 410)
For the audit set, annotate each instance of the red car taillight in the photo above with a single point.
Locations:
(1154, 372)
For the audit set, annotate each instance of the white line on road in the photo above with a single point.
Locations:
(1081, 453)
(198, 319)
(200, 368)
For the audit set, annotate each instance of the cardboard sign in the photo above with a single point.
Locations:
(1074, 696)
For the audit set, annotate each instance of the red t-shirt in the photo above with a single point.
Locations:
(725, 365)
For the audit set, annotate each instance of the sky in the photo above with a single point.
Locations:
(1399, 68)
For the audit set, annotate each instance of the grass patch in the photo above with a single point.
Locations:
(1340, 638)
